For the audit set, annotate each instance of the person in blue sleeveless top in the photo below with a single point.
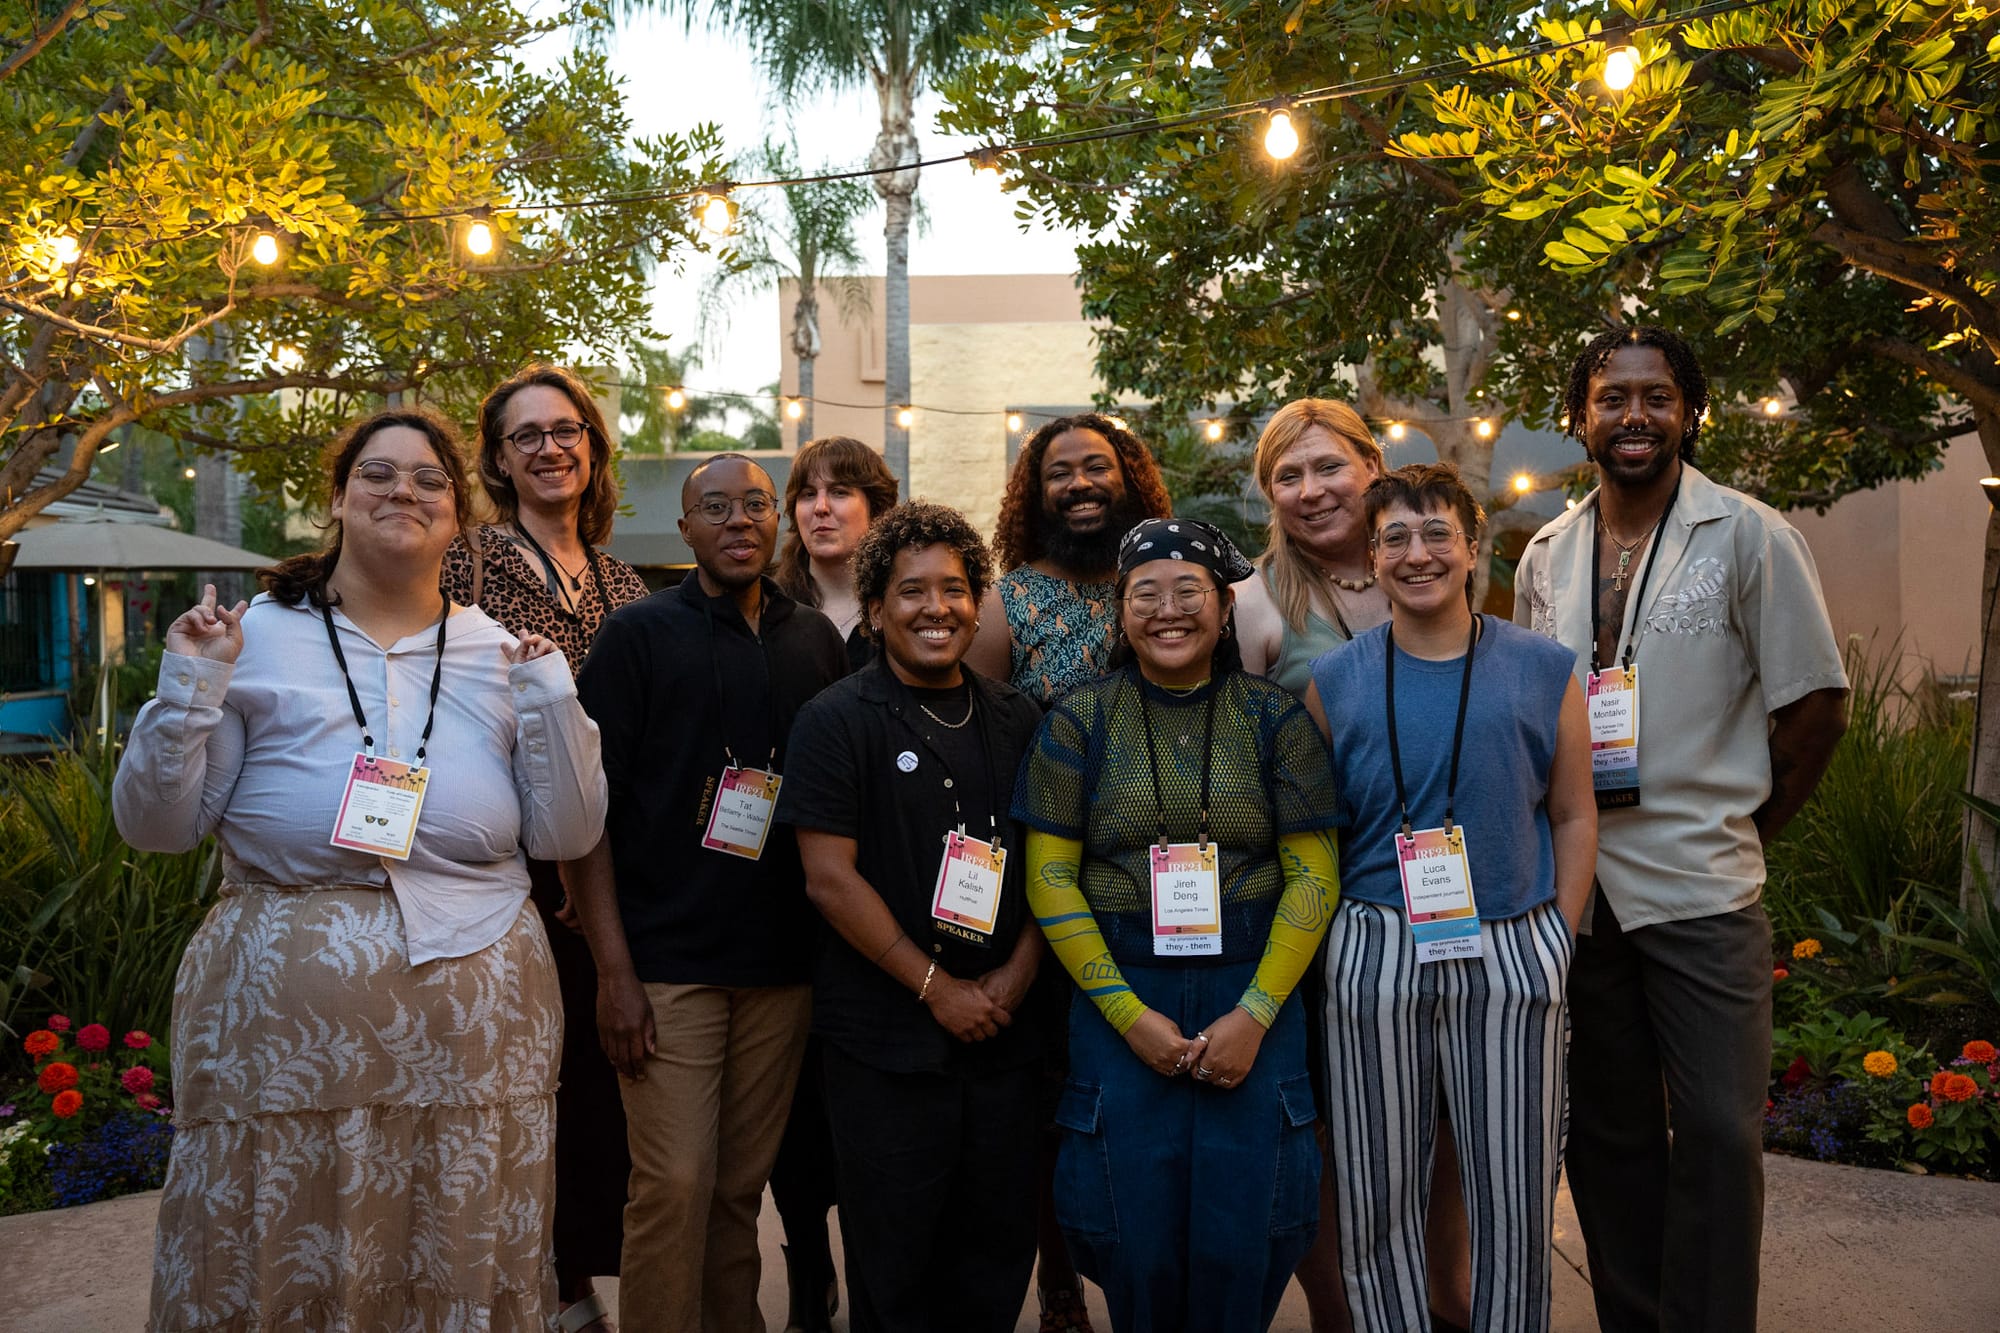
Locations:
(1468, 836)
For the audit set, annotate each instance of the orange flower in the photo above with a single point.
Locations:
(1780, 973)
(56, 1077)
(1957, 1088)
(1920, 1116)
(67, 1103)
(1980, 1052)
(41, 1042)
(1879, 1063)
(1806, 948)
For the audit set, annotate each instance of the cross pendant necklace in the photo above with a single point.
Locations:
(1625, 553)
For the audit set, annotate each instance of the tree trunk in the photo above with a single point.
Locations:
(805, 346)
(896, 146)
(805, 400)
(1982, 840)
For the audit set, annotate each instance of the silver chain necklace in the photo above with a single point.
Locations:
(949, 726)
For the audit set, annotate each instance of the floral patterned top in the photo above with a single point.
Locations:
(522, 595)
(1062, 631)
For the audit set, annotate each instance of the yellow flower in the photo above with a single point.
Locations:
(1806, 948)
(1879, 1063)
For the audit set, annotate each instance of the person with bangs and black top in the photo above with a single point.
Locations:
(901, 778)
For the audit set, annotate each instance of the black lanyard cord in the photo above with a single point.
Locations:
(987, 754)
(354, 697)
(722, 699)
(1631, 649)
(1153, 759)
(1457, 733)
(549, 567)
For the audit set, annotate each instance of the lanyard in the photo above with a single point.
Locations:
(722, 699)
(986, 754)
(1153, 759)
(1631, 650)
(1457, 733)
(549, 567)
(354, 698)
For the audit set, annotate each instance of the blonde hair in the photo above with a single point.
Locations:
(1293, 582)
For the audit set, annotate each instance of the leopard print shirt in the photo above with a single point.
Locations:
(516, 591)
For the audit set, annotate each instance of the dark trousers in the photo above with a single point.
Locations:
(591, 1160)
(802, 1179)
(1671, 1035)
(937, 1195)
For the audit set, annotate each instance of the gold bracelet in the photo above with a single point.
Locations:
(924, 991)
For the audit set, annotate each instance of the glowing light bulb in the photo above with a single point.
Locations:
(1513, 314)
(1397, 430)
(1569, 503)
(288, 356)
(676, 399)
(188, 472)
(794, 408)
(1483, 428)
(986, 168)
(1523, 483)
(1773, 408)
(1621, 67)
(717, 213)
(264, 249)
(65, 249)
(1214, 431)
(1014, 423)
(479, 238)
(1281, 137)
(90, 580)
(906, 417)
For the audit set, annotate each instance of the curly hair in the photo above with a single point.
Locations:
(832, 460)
(916, 523)
(600, 493)
(303, 577)
(1017, 537)
(1680, 360)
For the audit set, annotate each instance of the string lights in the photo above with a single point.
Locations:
(794, 408)
(906, 417)
(479, 236)
(64, 248)
(676, 398)
(265, 248)
(716, 211)
(1281, 137)
(1013, 423)
(1621, 66)
(1773, 408)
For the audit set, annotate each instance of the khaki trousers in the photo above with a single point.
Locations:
(704, 1126)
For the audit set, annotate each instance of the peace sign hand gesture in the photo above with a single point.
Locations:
(207, 630)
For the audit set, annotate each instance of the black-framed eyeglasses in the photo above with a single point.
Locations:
(757, 506)
(531, 440)
(378, 477)
(1436, 535)
(1186, 599)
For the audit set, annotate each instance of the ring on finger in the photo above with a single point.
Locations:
(1202, 1071)
(1222, 1082)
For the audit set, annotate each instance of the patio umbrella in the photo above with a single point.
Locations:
(91, 545)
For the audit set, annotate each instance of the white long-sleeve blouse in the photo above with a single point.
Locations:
(259, 753)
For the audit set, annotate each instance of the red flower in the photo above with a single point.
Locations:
(1780, 973)
(137, 1040)
(1980, 1052)
(147, 1101)
(1797, 1072)
(41, 1042)
(67, 1103)
(136, 1080)
(93, 1037)
(57, 1076)
(58, 1023)
(1920, 1116)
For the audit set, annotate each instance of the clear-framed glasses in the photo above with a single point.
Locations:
(1186, 599)
(531, 440)
(757, 506)
(378, 477)
(1436, 535)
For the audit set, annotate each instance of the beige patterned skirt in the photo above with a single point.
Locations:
(358, 1144)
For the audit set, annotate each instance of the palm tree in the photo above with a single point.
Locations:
(808, 239)
(649, 425)
(895, 46)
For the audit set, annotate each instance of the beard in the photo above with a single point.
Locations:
(1093, 552)
(1633, 472)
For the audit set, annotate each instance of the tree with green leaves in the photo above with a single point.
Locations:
(897, 47)
(303, 178)
(805, 236)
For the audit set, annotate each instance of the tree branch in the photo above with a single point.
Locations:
(116, 102)
(40, 39)
(1977, 390)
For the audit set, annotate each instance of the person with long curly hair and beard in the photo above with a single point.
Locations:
(1080, 484)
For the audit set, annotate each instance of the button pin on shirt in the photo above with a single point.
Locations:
(907, 761)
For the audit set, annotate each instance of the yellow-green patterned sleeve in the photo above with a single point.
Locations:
(1055, 896)
(1312, 887)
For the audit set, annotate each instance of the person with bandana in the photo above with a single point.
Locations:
(1181, 862)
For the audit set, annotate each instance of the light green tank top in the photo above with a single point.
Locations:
(1291, 670)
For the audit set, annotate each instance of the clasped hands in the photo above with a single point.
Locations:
(1220, 1054)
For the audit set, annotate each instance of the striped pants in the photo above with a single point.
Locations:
(1492, 1034)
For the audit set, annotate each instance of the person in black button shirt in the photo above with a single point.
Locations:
(703, 947)
(900, 777)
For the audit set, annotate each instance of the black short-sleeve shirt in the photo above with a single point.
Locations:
(868, 763)
(677, 682)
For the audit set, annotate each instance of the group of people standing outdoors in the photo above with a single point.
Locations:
(1095, 903)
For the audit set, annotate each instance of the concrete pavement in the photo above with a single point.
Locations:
(1845, 1251)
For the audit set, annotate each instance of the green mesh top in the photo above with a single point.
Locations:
(1087, 778)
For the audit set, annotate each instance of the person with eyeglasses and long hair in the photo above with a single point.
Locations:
(1182, 866)
(1461, 755)
(371, 1005)
(544, 462)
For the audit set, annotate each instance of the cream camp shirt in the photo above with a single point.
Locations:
(1735, 628)
(259, 754)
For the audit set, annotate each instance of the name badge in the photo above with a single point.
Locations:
(967, 901)
(1613, 699)
(379, 809)
(1437, 894)
(741, 819)
(1187, 909)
